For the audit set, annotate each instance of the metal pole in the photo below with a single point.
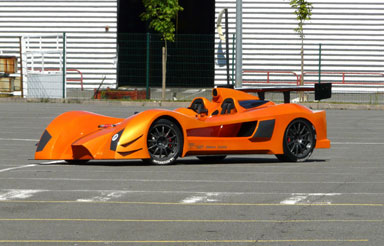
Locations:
(64, 67)
(147, 67)
(319, 63)
(239, 46)
(21, 68)
(233, 58)
(227, 44)
(164, 70)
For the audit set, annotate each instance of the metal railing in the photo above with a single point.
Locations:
(268, 76)
(343, 75)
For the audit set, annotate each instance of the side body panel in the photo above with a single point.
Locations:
(281, 115)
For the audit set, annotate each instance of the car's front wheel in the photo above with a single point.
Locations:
(299, 141)
(164, 142)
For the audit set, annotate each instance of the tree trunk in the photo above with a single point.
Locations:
(301, 93)
(302, 61)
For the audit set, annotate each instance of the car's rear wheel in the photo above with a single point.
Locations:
(299, 141)
(211, 158)
(164, 142)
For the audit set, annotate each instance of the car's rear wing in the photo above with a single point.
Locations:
(322, 91)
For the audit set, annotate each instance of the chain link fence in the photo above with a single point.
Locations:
(190, 60)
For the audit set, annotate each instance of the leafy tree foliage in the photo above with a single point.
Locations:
(303, 11)
(160, 14)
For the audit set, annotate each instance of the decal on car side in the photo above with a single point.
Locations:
(115, 140)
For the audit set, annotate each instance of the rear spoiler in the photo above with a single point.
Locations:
(322, 91)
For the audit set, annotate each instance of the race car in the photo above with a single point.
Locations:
(233, 122)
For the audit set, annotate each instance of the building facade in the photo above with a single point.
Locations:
(350, 32)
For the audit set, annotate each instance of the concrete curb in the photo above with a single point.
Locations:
(176, 104)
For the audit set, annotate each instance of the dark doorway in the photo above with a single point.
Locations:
(198, 17)
(190, 58)
(129, 17)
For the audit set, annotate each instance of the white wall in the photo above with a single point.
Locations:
(351, 33)
(90, 48)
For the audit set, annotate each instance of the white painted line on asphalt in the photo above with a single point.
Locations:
(14, 168)
(19, 139)
(207, 197)
(197, 181)
(105, 196)
(202, 193)
(356, 143)
(293, 200)
(307, 198)
(18, 194)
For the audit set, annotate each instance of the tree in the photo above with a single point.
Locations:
(160, 14)
(303, 11)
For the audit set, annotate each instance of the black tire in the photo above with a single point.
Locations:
(211, 158)
(299, 141)
(76, 161)
(164, 142)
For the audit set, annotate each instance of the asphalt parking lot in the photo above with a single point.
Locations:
(336, 198)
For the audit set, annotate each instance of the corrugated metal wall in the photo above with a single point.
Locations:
(351, 33)
(90, 48)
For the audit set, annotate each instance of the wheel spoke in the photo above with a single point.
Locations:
(297, 128)
(296, 149)
(166, 152)
(303, 130)
(157, 148)
(300, 149)
(161, 152)
(293, 148)
(151, 147)
(169, 131)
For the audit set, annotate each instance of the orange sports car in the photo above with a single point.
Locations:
(233, 122)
